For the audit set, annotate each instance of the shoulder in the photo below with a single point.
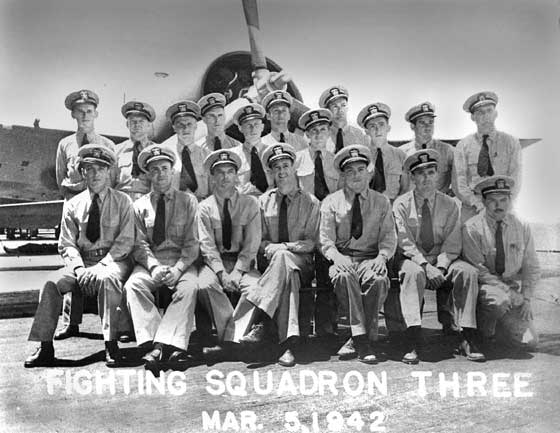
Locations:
(403, 200)
(465, 141)
(64, 142)
(333, 198)
(120, 196)
(508, 138)
(475, 223)
(266, 196)
(246, 200)
(446, 201)
(107, 141)
(185, 197)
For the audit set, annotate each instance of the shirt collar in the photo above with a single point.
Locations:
(233, 199)
(350, 194)
(276, 134)
(102, 194)
(291, 196)
(168, 194)
(429, 144)
(492, 223)
(491, 135)
(419, 199)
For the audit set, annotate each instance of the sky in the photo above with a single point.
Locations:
(400, 52)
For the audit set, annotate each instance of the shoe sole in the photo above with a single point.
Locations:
(410, 361)
(31, 365)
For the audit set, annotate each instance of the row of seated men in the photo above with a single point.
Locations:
(426, 267)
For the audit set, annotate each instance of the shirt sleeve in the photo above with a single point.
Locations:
(208, 246)
(387, 235)
(515, 165)
(60, 166)
(311, 232)
(124, 242)
(459, 176)
(190, 249)
(265, 239)
(67, 243)
(451, 246)
(472, 247)
(142, 252)
(252, 238)
(406, 239)
(530, 270)
(327, 230)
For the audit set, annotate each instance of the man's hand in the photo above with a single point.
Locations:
(266, 82)
(87, 280)
(172, 277)
(270, 249)
(230, 281)
(159, 273)
(435, 277)
(525, 311)
(379, 265)
(342, 263)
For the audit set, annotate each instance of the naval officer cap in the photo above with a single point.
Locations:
(276, 97)
(480, 99)
(314, 117)
(207, 102)
(423, 109)
(372, 111)
(182, 109)
(83, 96)
(276, 152)
(332, 94)
(249, 112)
(494, 184)
(421, 158)
(350, 154)
(96, 154)
(139, 108)
(155, 152)
(221, 157)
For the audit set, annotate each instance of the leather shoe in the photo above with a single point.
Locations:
(178, 357)
(43, 357)
(410, 357)
(348, 351)
(67, 332)
(221, 352)
(471, 351)
(365, 352)
(112, 355)
(287, 359)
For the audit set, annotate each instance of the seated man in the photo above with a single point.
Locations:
(165, 250)
(229, 228)
(290, 225)
(429, 243)
(357, 233)
(502, 249)
(96, 237)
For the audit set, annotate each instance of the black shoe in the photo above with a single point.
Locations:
(112, 355)
(365, 351)
(225, 351)
(472, 353)
(67, 332)
(257, 334)
(413, 338)
(411, 357)
(287, 359)
(43, 357)
(179, 358)
(348, 351)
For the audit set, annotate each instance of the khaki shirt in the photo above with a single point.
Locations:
(479, 248)
(378, 230)
(303, 220)
(207, 143)
(305, 170)
(125, 182)
(180, 247)
(198, 154)
(297, 141)
(396, 181)
(446, 227)
(350, 135)
(116, 227)
(245, 233)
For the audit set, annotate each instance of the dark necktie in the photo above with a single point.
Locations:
(92, 229)
(484, 166)
(424, 146)
(85, 140)
(426, 228)
(135, 152)
(378, 181)
(217, 143)
(159, 223)
(321, 188)
(188, 177)
(500, 253)
(282, 138)
(226, 226)
(258, 177)
(283, 235)
(339, 140)
(357, 224)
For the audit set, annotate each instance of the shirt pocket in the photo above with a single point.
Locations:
(177, 230)
(110, 226)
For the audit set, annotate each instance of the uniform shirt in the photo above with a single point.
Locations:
(393, 160)
(116, 227)
(180, 246)
(297, 141)
(445, 165)
(505, 155)
(446, 227)
(198, 154)
(207, 143)
(244, 172)
(350, 135)
(303, 220)
(479, 248)
(125, 181)
(245, 232)
(378, 230)
(305, 170)
(68, 177)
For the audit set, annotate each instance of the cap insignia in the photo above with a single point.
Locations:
(354, 153)
(156, 151)
(248, 110)
(84, 94)
(425, 107)
(481, 97)
(96, 153)
(500, 183)
(138, 106)
(373, 109)
(277, 150)
(182, 107)
(335, 91)
(211, 100)
(224, 156)
(423, 157)
(314, 116)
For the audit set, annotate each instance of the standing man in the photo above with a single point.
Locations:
(290, 229)
(83, 107)
(214, 116)
(96, 237)
(188, 171)
(501, 247)
(252, 177)
(485, 153)
(165, 251)
(387, 164)
(335, 99)
(429, 244)
(230, 234)
(277, 105)
(357, 234)
(130, 178)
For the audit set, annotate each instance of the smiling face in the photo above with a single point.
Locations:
(284, 174)
(215, 120)
(96, 176)
(185, 128)
(356, 176)
(424, 179)
(224, 177)
(497, 205)
(485, 118)
(423, 129)
(138, 126)
(252, 130)
(161, 174)
(85, 115)
(378, 129)
(279, 115)
(318, 135)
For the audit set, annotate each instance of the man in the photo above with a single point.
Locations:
(501, 247)
(230, 234)
(277, 105)
(189, 174)
(252, 176)
(96, 237)
(387, 164)
(214, 116)
(357, 234)
(130, 178)
(83, 107)
(290, 226)
(335, 99)
(429, 244)
(165, 250)
(421, 118)
(485, 153)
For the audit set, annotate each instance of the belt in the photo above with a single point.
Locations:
(94, 254)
